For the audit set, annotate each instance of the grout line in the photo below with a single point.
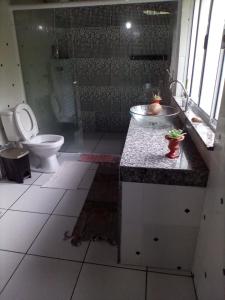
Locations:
(195, 290)
(29, 186)
(94, 263)
(32, 212)
(36, 178)
(73, 260)
(171, 274)
(1, 291)
(43, 226)
(76, 282)
(60, 188)
(42, 213)
(146, 283)
(52, 213)
(56, 258)
(2, 212)
(17, 252)
(113, 266)
(98, 142)
(62, 215)
(54, 208)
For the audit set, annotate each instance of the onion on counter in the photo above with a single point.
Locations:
(155, 108)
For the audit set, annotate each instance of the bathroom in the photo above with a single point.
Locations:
(81, 66)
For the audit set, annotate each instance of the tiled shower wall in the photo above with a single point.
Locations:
(96, 42)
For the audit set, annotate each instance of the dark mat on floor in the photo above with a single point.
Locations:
(99, 216)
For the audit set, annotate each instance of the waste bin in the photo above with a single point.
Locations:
(16, 164)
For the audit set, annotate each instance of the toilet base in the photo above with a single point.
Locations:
(44, 165)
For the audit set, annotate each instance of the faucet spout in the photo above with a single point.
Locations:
(176, 81)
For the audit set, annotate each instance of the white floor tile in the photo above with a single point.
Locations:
(38, 199)
(43, 179)
(19, 229)
(40, 278)
(101, 252)
(100, 283)
(8, 263)
(71, 203)
(169, 287)
(50, 241)
(34, 177)
(10, 192)
(69, 175)
(87, 180)
(68, 157)
(2, 211)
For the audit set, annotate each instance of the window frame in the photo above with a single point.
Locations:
(210, 119)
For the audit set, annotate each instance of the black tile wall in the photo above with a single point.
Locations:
(115, 15)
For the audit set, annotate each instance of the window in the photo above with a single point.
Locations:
(206, 74)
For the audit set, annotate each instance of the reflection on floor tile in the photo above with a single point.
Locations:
(39, 278)
(69, 175)
(87, 180)
(38, 199)
(19, 229)
(102, 253)
(51, 243)
(71, 203)
(100, 283)
(8, 263)
(169, 287)
(10, 192)
(68, 157)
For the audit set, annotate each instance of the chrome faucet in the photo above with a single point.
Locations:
(184, 91)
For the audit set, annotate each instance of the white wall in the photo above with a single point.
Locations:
(210, 253)
(11, 82)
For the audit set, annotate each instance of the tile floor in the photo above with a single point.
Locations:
(106, 143)
(37, 263)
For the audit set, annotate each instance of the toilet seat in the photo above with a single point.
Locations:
(25, 121)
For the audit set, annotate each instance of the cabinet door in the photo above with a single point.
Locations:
(172, 205)
(160, 224)
(169, 247)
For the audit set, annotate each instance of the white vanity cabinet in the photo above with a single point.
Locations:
(160, 224)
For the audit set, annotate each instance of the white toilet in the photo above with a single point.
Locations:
(20, 125)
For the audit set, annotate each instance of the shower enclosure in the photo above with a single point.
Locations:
(84, 67)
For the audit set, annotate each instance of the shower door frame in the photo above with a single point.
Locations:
(81, 3)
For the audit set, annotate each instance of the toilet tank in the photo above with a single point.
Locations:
(9, 125)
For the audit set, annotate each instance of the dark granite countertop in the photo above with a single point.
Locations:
(143, 159)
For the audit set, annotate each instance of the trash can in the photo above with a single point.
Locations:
(16, 164)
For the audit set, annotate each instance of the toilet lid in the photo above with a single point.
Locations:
(25, 121)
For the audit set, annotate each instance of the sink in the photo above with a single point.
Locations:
(141, 115)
